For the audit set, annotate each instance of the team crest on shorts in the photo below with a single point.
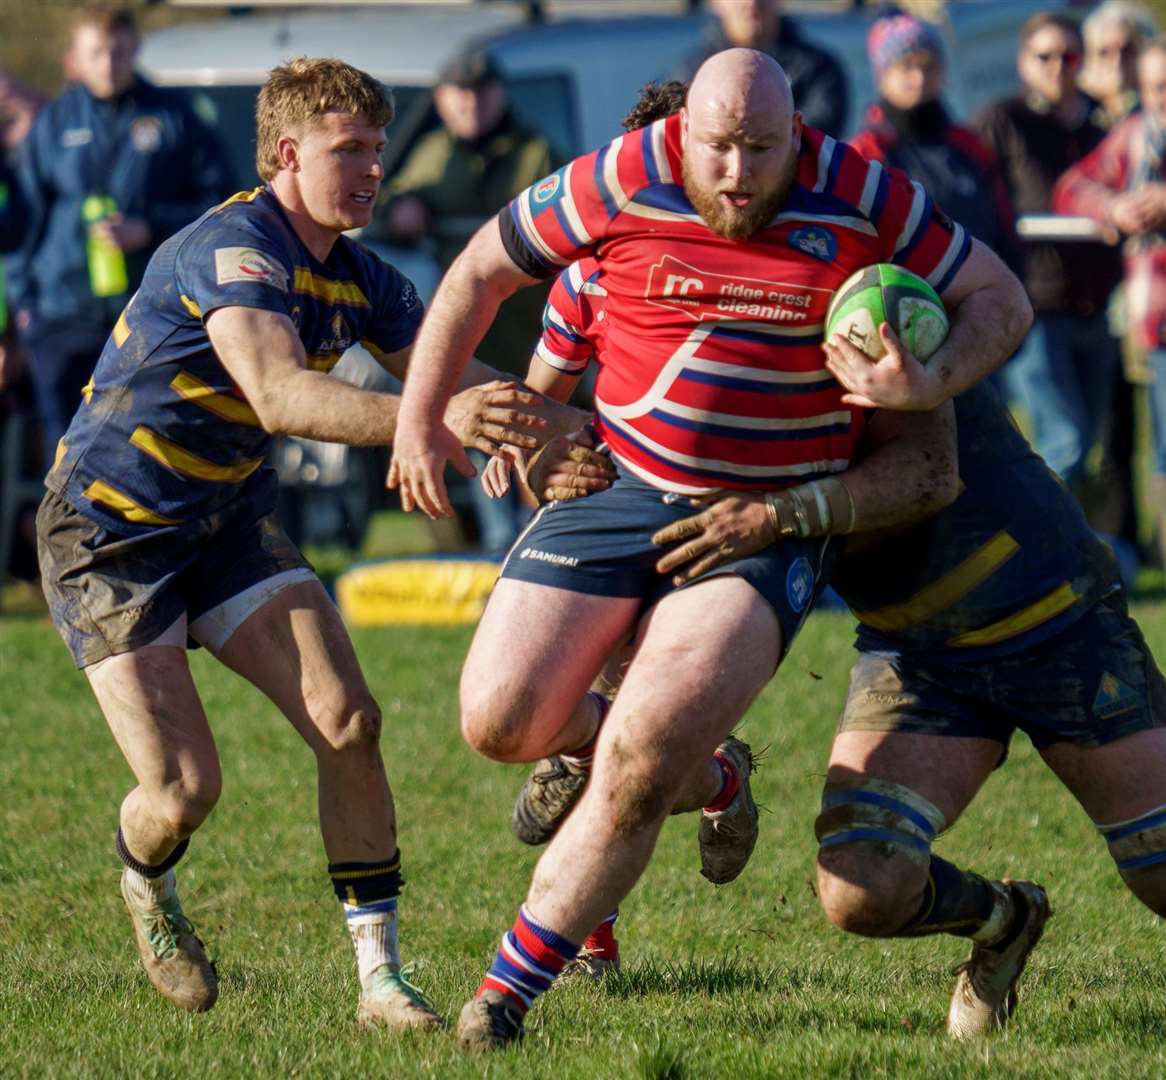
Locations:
(815, 240)
(799, 583)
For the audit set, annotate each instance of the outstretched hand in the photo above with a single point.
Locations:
(896, 380)
(729, 528)
(419, 457)
(496, 414)
(568, 467)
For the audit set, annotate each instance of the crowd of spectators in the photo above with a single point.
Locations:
(106, 171)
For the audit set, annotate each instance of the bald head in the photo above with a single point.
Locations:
(741, 136)
(742, 80)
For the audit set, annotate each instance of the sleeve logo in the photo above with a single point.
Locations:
(248, 264)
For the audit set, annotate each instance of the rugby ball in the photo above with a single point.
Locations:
(888, 293)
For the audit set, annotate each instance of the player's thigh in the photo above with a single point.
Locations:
(703, 653)
(1122, 787)
(154, 712)
(945, 770)
(538, 648)
(295, 648)
(1117, 781)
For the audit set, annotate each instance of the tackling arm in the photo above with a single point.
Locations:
(264, 355)
(908, 473)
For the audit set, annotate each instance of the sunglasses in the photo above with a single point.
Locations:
(1108, 51)
(1069, 58)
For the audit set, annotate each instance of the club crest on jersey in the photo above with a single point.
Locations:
(546, 192)
(248, 264)
(799, 583)
(815, 240)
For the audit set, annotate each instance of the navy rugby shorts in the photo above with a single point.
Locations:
(602, 544)
(110, 594)
(1091, 684)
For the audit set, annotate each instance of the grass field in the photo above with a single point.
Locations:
(747, 980)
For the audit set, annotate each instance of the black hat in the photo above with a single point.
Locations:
(470, 70)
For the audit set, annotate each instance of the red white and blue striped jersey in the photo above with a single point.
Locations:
(711, 369)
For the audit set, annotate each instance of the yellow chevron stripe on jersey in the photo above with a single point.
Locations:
(183, 462)
(945, 591)
(121, 330)
(193, 389)
(334, 292)
(190, 306)
(1047, 607)
(101, 492)
(324, 361)
(87, 391)
(61, 448)
(241, 196)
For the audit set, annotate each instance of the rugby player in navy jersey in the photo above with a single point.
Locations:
(1001, 612)
(157, 526)
(700, 389)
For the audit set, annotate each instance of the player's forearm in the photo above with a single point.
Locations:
(463, 309)
(909, 473)
(910, 476)
(986, 329)
(314, 405)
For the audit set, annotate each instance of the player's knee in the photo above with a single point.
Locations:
(864, 890)
(353, 725)
(495, 725)
(874, 852)
(181, 808)
(1138, 848)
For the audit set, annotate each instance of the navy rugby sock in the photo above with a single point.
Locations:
(954, 902)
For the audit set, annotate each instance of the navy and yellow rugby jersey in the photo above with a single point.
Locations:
(1011, 562)
(163, 434)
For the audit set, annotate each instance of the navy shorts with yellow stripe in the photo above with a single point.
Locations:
(602, 545)
(110, 594)
(1091, 684)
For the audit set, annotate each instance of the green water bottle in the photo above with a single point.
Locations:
(107, 262)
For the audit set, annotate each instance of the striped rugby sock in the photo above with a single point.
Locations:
(582, 756)
(730, 783)
(601, 941)
(527, 962)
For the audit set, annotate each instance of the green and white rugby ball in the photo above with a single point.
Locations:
(888, 293)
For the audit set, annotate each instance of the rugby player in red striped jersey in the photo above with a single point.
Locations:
(722, 233)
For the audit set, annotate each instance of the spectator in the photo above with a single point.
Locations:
(821, 90)
(1122, 184)
(110, 169)
(909, 128)
(454, 179)
(1114, 32)
(1063, 372)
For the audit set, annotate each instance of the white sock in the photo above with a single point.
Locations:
(374, 935)
(151, 891)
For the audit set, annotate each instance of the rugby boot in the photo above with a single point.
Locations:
(490, 1021)
(389, 1000)
(985, 992)
(727, 836)
(597, 956)
(547, 797)
(588, 964)
(174, 958)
